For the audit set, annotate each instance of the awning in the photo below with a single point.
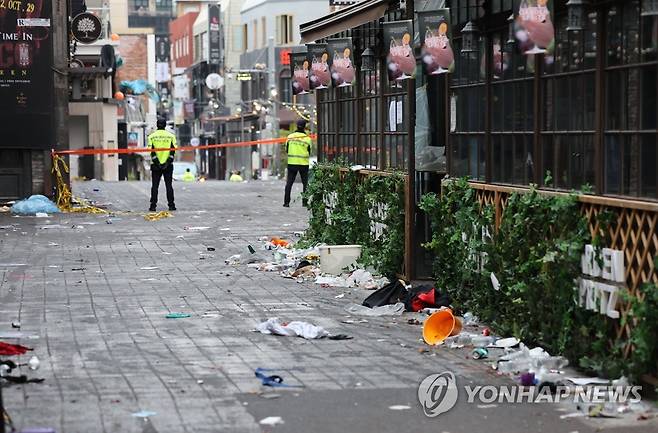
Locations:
(343, 19)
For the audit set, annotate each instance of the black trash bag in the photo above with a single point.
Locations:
(392, 293)
(425, 296)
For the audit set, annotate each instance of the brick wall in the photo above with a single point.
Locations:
(132, 48)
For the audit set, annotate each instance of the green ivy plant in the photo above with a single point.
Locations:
(535, 257)
(341, 205)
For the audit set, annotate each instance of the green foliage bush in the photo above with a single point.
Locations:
(535, 256)
(349, 221)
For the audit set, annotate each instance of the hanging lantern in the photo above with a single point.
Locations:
(576, 18)
(650, 8)
(511, 39)
(368, 60)
(470, 35)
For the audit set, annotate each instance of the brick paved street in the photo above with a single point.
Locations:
(84, 288)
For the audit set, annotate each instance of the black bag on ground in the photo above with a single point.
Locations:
(392, 293)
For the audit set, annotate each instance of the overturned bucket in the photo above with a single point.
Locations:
(440, 326)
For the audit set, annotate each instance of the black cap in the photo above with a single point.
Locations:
(161, 123)
(301, 124)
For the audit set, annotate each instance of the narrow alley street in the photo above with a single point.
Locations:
(91, 293)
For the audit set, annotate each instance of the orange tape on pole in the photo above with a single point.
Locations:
(178, 149)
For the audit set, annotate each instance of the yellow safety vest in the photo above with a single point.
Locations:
(162, 139)
(188, 177)
(298, 145)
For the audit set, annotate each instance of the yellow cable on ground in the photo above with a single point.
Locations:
(65, 199)
(155, 216)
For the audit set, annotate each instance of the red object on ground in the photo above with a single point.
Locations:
(279, 242)
(486, 332)
(7, 349)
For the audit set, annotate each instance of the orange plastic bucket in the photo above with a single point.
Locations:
(440, 326)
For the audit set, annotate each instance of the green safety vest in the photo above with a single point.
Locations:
(298, 148)
(162, 139)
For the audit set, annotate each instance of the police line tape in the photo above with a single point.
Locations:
(178, 149)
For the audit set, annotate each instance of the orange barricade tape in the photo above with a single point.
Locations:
(178, 149)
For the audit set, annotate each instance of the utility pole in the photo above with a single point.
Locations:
(59, 28)
(275, 108)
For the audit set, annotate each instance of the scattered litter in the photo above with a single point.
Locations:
(200, 382)
(178, 315)
(480, 353)
(196, 229)
(18, 335)
(582, 381)
(233, 260)
(507, 342)
(269, 395)
(271, 421)
(149, 268)
(210, 249)
(385, 310)
(8, 349)
(279, 242)
(16, 325)
(399, 407)
(33, 205)
(210, 315)
(155, 216)
(291, 329)
(470, 319)
(41, 215)
(144, 414)
(342, 295)
(272, 380)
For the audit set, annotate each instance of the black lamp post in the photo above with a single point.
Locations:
(470, 38)
(368, 60)
(576, 18)
(650, 8)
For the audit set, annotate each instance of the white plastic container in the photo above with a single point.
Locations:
(333, 258)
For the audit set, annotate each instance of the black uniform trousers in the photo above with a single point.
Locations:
(292, 175)
(158, 172)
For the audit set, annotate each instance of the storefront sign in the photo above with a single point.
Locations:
(243, 76)
(133, 139)
(162, 49)
(598, 287)
(436, 50)
(86, 28)
(214, 45)
(536, 32)
(300, 84)
(26, 75)
(398, 38)
(319, 75)
(342, 65)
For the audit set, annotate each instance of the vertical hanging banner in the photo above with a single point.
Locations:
(26, 75)
(401, 62)
(214, 46)
(537, 32)
(299, 64)
(342, 65)
(319, 75)
(436, 50)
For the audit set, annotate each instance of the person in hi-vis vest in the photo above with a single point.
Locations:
(162, 163)
(298, 148)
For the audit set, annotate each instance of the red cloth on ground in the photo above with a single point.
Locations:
(7, 349)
